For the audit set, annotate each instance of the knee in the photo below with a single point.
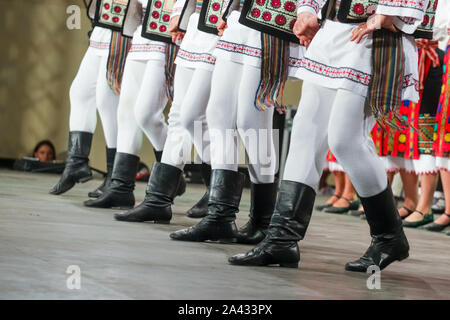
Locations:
(340, 146)
(191, 119)
(147, 117)
(79, 94)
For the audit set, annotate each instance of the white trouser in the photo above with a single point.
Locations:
(191, 89)
(90, 91)
(335, 119)
(231, 113)
(142, 102)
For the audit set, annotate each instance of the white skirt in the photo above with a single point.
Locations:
(197, 47)
(242, 44)
(100, 40)
(424, 165)
(443, 163)
(333, 61)
(334, 167)
(145, 49)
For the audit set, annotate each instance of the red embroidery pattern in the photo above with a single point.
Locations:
(309, 3)
(408, 81)
(239, 48)
(336, 73)
(411, 4)
(147, 48)
(98, 45)
(196, 57)
(294, 62)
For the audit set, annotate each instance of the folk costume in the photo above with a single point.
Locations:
(242, 102)
(146, 89)
(441, 147)
(333, 114)
(96, 87)
(410, 149)
(187, 121)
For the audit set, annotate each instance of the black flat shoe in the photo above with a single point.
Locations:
(408, 210)
(436, 227)
(327, 205)
(340, 210)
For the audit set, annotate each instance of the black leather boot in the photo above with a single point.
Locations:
(158, 155)
(263, 197)
(389, 242)
(288, 225)
(77, 167)
(110, 154)
(161, 189)
(119, 193)
(223, 204)
(200, 209)
(182, 185)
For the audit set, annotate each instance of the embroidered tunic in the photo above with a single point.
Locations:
(100, 40)
(242, 44)
(333, 61)
(197, 48)
(407, 149)
(146, 49)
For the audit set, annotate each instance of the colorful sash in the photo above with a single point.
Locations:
(111, 14)
(385, 90)
(156, 20)
(118, 51)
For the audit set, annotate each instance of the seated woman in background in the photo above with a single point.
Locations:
(44, 151)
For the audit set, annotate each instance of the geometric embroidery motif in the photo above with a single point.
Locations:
(112, 12)
(156, 20)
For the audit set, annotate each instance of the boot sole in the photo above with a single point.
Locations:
(85, 179)
(293, 265)
(401, 258)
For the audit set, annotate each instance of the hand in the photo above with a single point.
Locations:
(306, 27)
(173, 29)
(221, 26)
(376, 22)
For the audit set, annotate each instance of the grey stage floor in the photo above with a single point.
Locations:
(42, 235)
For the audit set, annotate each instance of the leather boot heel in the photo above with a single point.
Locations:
(85, 179)
(289, 265)
(227, 241)
(162, 221)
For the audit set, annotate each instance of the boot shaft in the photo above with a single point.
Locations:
(262, 202)
(79, 145)
(110, 156)
(164, 179)
(293, 211)
(124, 172)
(381, 213)
(205, 171)
(158, 155)
(226, 187)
